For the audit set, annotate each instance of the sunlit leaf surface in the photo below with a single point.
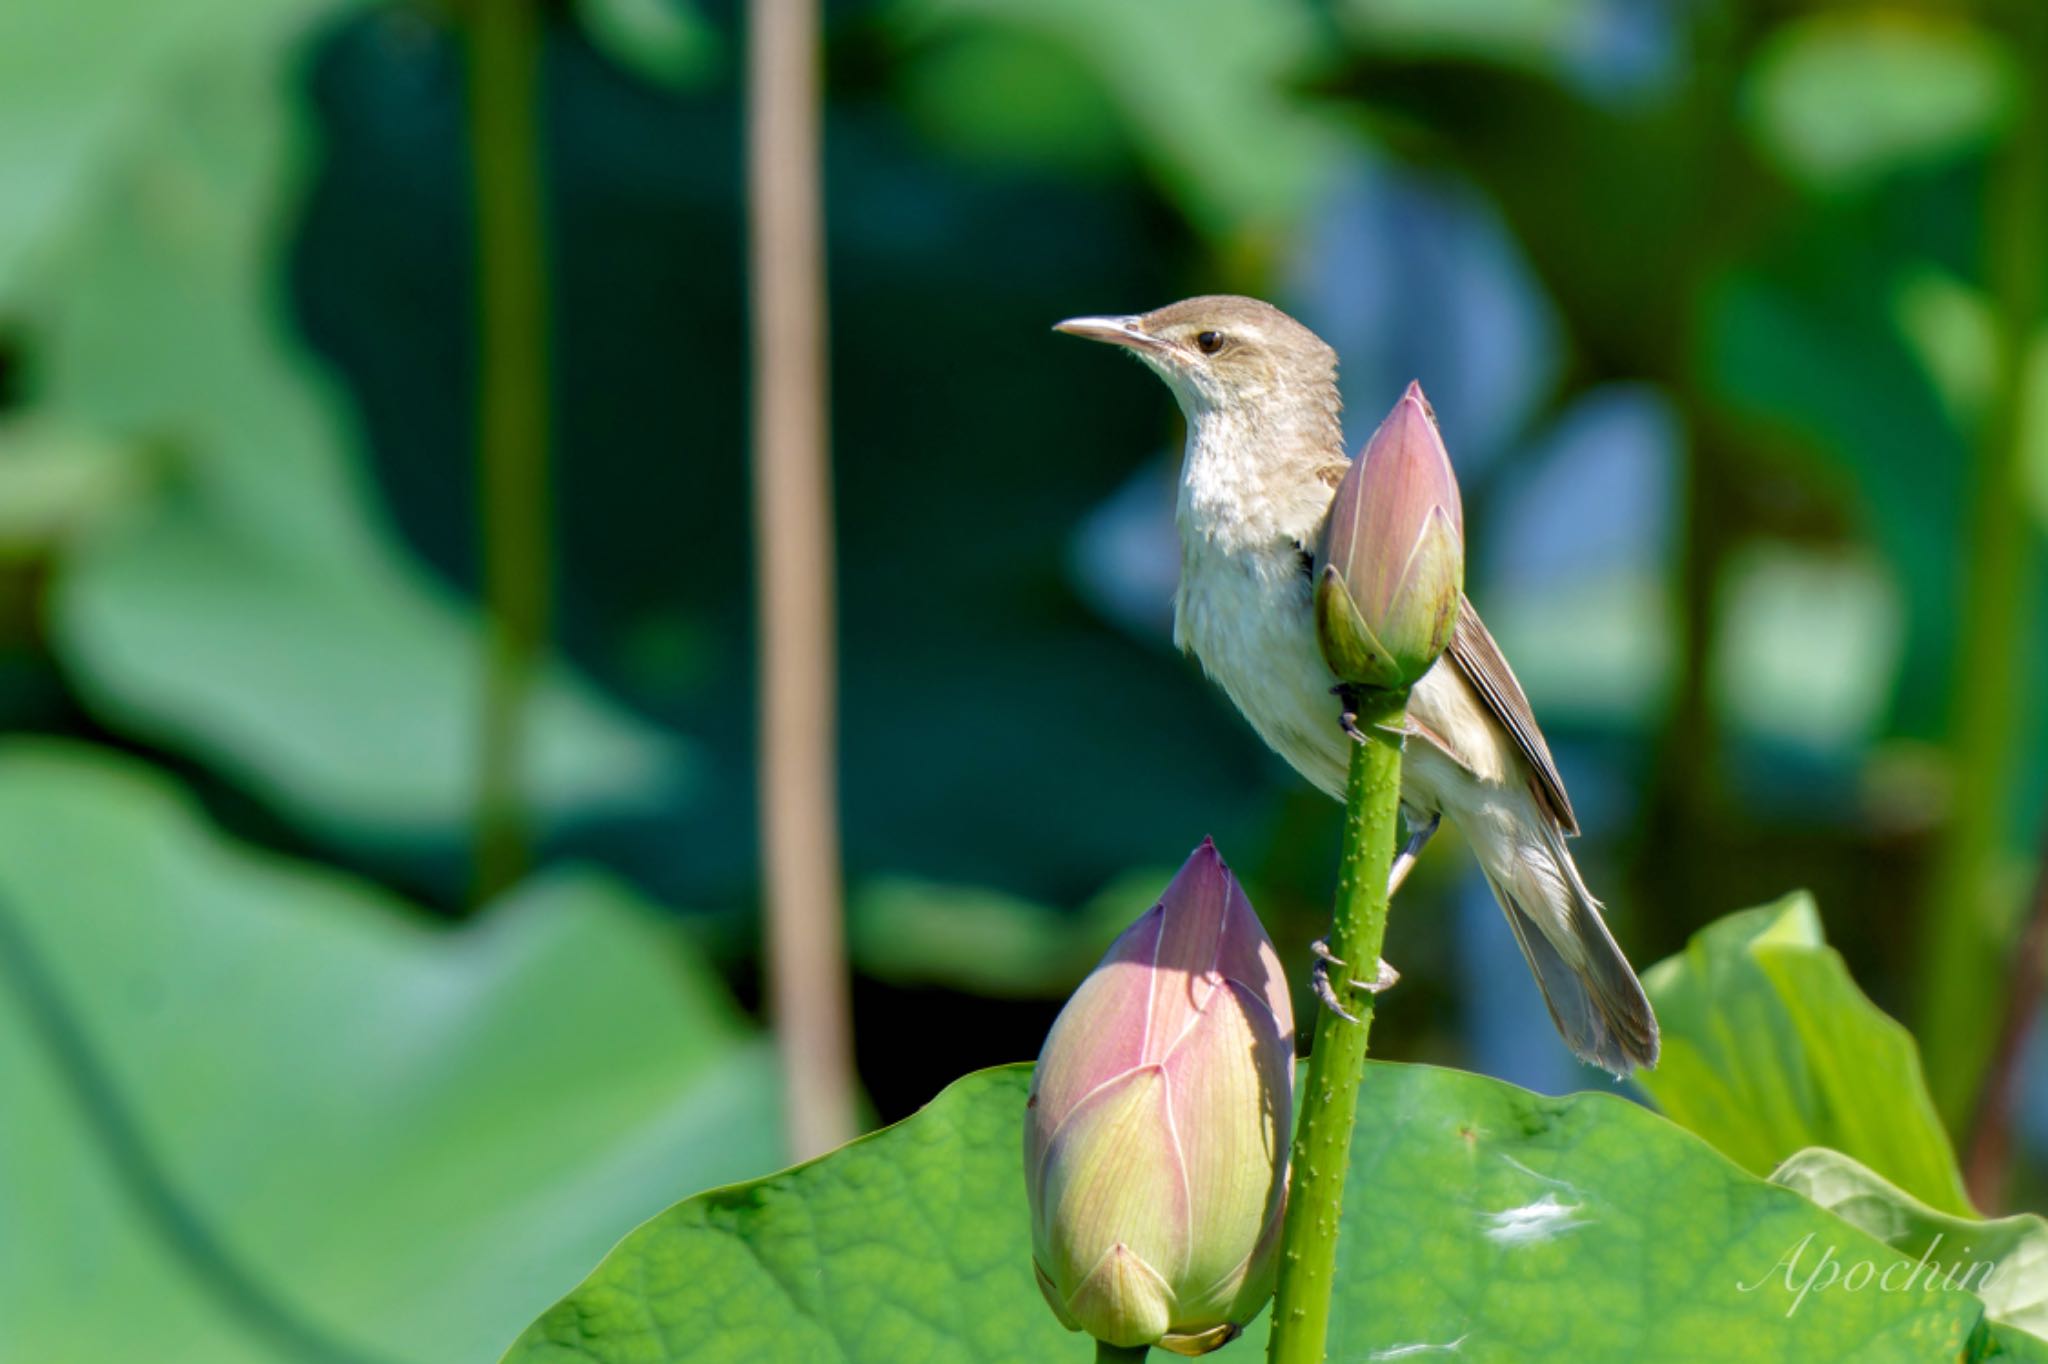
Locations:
(1769, 1047)
(1481, 1221)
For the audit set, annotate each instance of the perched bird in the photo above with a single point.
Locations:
(1265, 451)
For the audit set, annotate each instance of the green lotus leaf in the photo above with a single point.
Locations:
(1481, 1222)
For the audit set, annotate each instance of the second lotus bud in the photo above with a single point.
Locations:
(1390, 571)
(1155, 1143)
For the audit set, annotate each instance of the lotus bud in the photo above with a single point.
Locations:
(1391, 567)
(1155, 1139)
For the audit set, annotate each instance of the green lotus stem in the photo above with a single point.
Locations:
(1336, 1067)
(512, 419)
(1106, 1353)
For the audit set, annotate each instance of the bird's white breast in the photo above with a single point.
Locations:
(1247, 616)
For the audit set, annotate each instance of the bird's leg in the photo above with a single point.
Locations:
(1404, 861)
(1383, 978)
(1384, 975)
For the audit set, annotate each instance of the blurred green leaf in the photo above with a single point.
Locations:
(74, 80)
(666, 41)
(1954, 336)
(1769, 1048)
(345, 700)
(1024, 99)
(274, 1114)
(1596, 650)
(1203, 89)
(58, 481)
(2004, 1260)
(1480, 1220)
(1533, 33)
(1811, 348)
(1949, 326)
(985, 942)
(260, 615)
(1810, 645)
(1840, 99)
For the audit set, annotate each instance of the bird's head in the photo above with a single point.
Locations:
(1221, 352)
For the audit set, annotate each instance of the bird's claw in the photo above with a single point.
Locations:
(1348, 720)
(1383, 979)
(1320, 977)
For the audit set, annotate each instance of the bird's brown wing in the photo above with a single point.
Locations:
(1479, 659)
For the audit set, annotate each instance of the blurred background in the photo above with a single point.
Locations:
(380, 889)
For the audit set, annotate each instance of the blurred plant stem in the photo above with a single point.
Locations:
(1968, 931)
(1336, 1065)
(1987, 1165)
(793, 556)
(1106, 1353)
(512, 418)
(1686, 827)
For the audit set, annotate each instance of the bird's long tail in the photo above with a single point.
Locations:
(1594, 997)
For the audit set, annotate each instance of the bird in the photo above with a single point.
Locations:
(1263, 456)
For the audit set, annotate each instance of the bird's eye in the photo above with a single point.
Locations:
(1210, 342)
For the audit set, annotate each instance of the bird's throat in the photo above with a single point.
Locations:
(1253, 476)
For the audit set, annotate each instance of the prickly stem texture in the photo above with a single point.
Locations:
(1336, 1067)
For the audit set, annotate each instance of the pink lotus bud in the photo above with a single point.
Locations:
(1155, 1141)
(1391, 566)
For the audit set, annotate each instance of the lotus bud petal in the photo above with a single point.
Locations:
(1391, 566)
(1155, 1138)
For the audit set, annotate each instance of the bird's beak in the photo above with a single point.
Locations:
(1118, 331)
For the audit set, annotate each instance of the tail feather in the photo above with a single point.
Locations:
(1594, 997)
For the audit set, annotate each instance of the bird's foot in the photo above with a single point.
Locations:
(1384, 977)
(1347, 718)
